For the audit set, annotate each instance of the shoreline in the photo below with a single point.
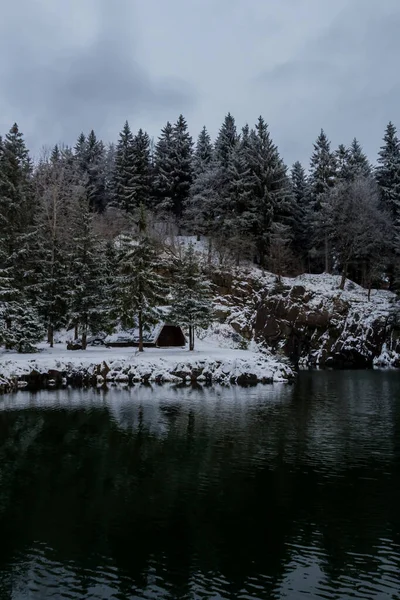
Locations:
(98, 366)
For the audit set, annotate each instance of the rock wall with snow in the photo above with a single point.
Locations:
(310, 320)
(102, 366)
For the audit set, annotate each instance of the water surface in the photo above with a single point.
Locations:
(216, 493)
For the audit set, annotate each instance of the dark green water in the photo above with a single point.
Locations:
(269, 492)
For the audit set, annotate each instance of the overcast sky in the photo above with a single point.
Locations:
(73, 65)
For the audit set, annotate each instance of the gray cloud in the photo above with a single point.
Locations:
(344, 81)
(303, 64)
(59, 86)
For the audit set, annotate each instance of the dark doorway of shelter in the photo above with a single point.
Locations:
(171, 336)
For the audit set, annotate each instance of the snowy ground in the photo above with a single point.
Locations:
(207, 362)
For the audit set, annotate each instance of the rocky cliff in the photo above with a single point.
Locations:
(310, 320)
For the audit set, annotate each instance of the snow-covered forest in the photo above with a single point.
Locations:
(88, 234)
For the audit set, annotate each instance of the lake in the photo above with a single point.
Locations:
(203, 493)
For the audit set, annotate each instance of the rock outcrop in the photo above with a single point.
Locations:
(311, 321)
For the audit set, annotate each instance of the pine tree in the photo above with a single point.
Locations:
(342, 157)
(94, 169)
(226, 141)
(359, 165)
(124, 191)
(322, 178)
(109, 173)
(16, 207)
(141, 169)
(271, 193)
(163, 169)
(388, 179)
(20, 326)
(209, 208)
(388, 172)
(205, 209)
(140, 289)
(58, 186)
(16, 238)
(203, 154)
(301, 226)
(191, 306)
(323, 169)
(87, 306)
(55, 156)
(237, 211)
(80, 152)
(182, 166)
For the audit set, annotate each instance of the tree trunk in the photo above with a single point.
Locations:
(209, 257)
(140, 332)
(191, 338)
(369, 289)
(344, 276)
(364, 276)
(76, 332)
(8, 326)
(50, 335)
(326, 254)
(84, 335)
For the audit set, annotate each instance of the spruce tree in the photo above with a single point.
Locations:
(94, 169)
(191, 306)
(141, 169)
(271, 191)
(237, 216)
(322, 178)
(20, 324)
(124, 193)
(16, 206)
(301, 226)
(203, 154)
(359, 165)
(182, 166)
(323, 169)
(87, 305)
(205, 210)
(388, 172)
(55, 156)
(209, 203)
(163, 169)
(109, 174)
(342, 157)
(80, 152)
(226, 141)
(388, 179)
(57, 183)
(140, 289)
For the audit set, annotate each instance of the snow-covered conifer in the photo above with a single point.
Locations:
(124, 196)
(140, 289)
(203, 154)
(190, 306)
